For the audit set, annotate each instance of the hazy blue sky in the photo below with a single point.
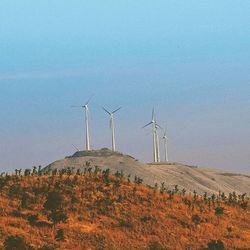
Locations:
(189, 59)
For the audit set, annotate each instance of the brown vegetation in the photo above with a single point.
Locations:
(93, 210)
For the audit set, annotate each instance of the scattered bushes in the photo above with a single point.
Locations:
(215, 245)
(57, 217)
(219, 210)
(196, 219)
(155, 245)
(47, 247)
(147, 218)
(60, 235)
(15, 242)
(54, 204)
(15, 191)
(125, 223)
(54, 201)
(138, 180)
(32, 219)
(106, 176)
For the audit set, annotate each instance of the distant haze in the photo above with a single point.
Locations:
(188, 59)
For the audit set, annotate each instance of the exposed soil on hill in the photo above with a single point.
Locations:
(189, 177)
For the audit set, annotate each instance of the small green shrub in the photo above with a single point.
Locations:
(215, 245)
(127, 224)
(54, 201)
(155, 245)
(219, 210)
(60, 235)
(196, 219)
(32, 219)
(16, 242)
(47, 247)
(57, 216)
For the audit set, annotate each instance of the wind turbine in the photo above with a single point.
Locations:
(86, 111)
(165, 139)
(157, 142)
(112, 126)
(157, 127)
(154, 133)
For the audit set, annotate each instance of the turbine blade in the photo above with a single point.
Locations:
(165, 132)
(158, 126)
(89, 100)
(153, 114)
(75, 147)
(116, 110)
(76, 106)
(106, 110)
(147, 125)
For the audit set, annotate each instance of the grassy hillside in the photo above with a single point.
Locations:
(94, 210)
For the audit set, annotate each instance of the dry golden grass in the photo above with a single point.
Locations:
(111, 213)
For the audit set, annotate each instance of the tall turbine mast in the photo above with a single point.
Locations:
(157, 127)
(166, 145)
(154, 133)
(86, 112)
(86, 108)
(157, 142)
(112, 126)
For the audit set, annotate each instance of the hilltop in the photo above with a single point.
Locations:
(189, 177)
(95, 210)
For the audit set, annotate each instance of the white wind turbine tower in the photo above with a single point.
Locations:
(157, 142)
(157, 127)
(112, 126)
(86, 111)
(155, 135)
(165, 139)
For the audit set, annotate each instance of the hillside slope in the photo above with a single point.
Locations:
(188, 177)
(99, 211)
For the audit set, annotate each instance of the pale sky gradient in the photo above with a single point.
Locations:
(188, 59)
